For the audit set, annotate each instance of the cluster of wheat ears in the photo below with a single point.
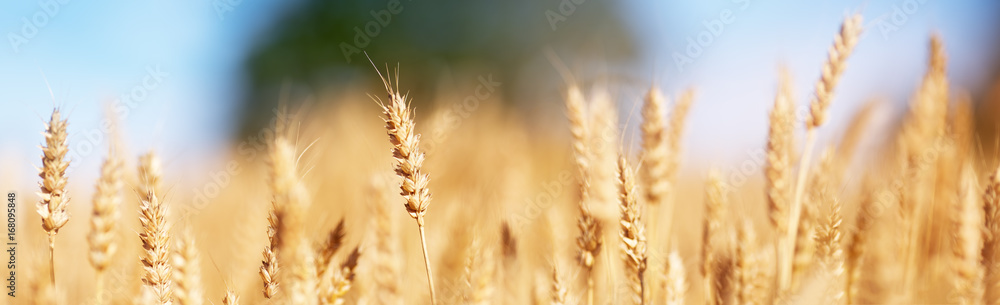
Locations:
(924, 230)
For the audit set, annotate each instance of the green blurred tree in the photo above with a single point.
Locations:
(317, 44)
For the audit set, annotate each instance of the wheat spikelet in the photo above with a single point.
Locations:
(342, 280)
(54, 197)
(399, 125)
(991, 239)
(633, 233)
(230, 298)
(559, 291)
(187, 270)
(967, 238)
(843, 45)
(326, 251)
(155, 233)
(779, 153)
(104, 219)
(675, 283)
(714, 205)
(830, 253)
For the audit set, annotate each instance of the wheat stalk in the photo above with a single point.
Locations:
(633, 233)
(54, 197)
(104, 219)
(844, 43)
(187, 270)
(399, 125)
(155, 233)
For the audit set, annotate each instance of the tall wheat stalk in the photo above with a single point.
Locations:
(715, 201)
(290, 202)
(967, 237)
(399, 124)
(844, 43)
(53, 193)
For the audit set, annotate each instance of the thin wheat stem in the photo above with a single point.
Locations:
(427, 262)
(796, 211)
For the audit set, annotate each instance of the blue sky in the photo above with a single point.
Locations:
(92, 52)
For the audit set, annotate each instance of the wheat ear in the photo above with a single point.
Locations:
(558, 288)
(678, 119)
(714, 204)
(844, 43)
(324, 256)
(104, 219)
(676, 285)
(399, 125)
(589, 242)
(386, 254)
(290, 201)
(749, 273)
(52, 207)
(633, 234)
(831, 254)
(155, 233)
(342, 280)
(991, 239)
(187, 270)
(654, 148)
(967, 236)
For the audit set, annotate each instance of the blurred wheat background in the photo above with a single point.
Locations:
(538, 152)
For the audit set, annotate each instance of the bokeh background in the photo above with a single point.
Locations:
(219, 66)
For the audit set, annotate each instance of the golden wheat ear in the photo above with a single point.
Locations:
(54, 198)
(633, 234)
(400, 127)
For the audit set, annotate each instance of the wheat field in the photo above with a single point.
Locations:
(370, 203)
